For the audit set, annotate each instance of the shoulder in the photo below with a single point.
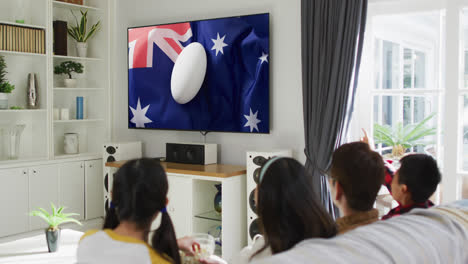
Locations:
(156, 258)
(89, 233)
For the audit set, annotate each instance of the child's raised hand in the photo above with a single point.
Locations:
(366, 139)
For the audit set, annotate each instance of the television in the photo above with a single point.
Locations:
(205, 75)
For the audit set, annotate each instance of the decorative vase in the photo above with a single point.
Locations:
(53, 239)
(3, 101)
(70, 83)
(70, 144)
(12, 137)
(32, 91)
(217, 199)
(82, 49)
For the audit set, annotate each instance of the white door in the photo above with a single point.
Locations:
(72, 187)
(94, 186)
(180, 204)
(14, 201)
(43, 189)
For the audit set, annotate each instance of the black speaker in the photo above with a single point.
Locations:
(201, 154)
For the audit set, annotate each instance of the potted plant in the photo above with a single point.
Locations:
(56, 218)
(400, 138)
(80, 33)
(5, 86)
(68, 67)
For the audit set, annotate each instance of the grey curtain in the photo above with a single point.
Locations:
(332, 40)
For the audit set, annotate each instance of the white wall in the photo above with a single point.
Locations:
(286, 117)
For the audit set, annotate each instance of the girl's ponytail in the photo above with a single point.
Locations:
(164, 240)
(112, 220)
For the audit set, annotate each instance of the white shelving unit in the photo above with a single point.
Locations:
(43, 137)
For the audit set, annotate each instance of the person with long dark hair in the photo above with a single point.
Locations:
(139, 194)
(288, 211)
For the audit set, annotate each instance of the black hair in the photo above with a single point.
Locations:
(420, 174)
(139, 191)
(289, 211)
(360, 171)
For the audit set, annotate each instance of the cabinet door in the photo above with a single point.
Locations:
(180, 204)
(14, 201)
(94, 185)
(72, 187)
(43, 189)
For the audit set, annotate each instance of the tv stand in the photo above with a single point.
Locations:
(191, 195)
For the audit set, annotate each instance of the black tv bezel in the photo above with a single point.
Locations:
(204, 132)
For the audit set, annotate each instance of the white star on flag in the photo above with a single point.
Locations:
(219, 44)
(252, 120)
(139, 115)
(263, 58)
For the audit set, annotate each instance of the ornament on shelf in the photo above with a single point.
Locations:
(217, 199)
(32, 91)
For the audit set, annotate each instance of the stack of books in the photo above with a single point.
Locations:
(22, 39)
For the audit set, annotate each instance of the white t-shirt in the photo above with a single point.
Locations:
(247, 252)
(105, 246)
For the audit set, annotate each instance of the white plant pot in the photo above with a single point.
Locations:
(82, 49)
(70, 83)
(3, 101)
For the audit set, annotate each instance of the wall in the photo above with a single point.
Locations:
(286, 117)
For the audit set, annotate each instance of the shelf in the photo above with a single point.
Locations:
(21, 25)
(76, 58)
(16, 162)
(75, 6)
(212, 215)
(77, 89)
(23, 111)
(22, 53)
(79, 155)
(77, 121)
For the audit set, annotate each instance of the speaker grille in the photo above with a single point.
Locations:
(110, 159)
(253, 229)
(111, 150)
(252, 204)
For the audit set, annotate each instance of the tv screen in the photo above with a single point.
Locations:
(206, 75)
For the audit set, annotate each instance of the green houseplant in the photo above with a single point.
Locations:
(400, 137)
(67, 68)
(56, 218)
(81, 34)
(5, 86)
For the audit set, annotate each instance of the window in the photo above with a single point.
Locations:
(405, 91)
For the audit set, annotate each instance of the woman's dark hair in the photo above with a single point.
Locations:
(139, 191)
(288, 208)
(420, 173)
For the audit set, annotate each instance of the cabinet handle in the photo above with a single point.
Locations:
(34, 171)
(24, 172)
(91, 165)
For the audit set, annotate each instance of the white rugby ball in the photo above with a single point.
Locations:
(188, 73)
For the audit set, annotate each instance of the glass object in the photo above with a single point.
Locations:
(465, 133)
(71, 143)
(19, 12)
(407, 68)
(12, 140)
(419, 69)
(207, 245)
(217, 199)
(391, 65)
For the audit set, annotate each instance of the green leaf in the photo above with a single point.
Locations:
(57, 217)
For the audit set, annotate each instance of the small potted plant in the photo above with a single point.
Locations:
(400, 138)
(80, 33)
(5, 86)
(68, 67)
(56, 218)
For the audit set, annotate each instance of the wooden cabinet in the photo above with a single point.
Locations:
(94, 185)
(14, 203)
(179, 206)
(77, 185)
(72, 181)
(43, 189)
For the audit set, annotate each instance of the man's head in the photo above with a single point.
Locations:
(357, 174)
(416, 179)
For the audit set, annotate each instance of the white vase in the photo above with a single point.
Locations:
(70, 143)
(70, 83)
(3, 101)
(82, 49)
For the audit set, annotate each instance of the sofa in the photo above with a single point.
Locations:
(436, 235)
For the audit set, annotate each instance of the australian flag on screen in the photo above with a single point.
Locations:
(234, 95)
